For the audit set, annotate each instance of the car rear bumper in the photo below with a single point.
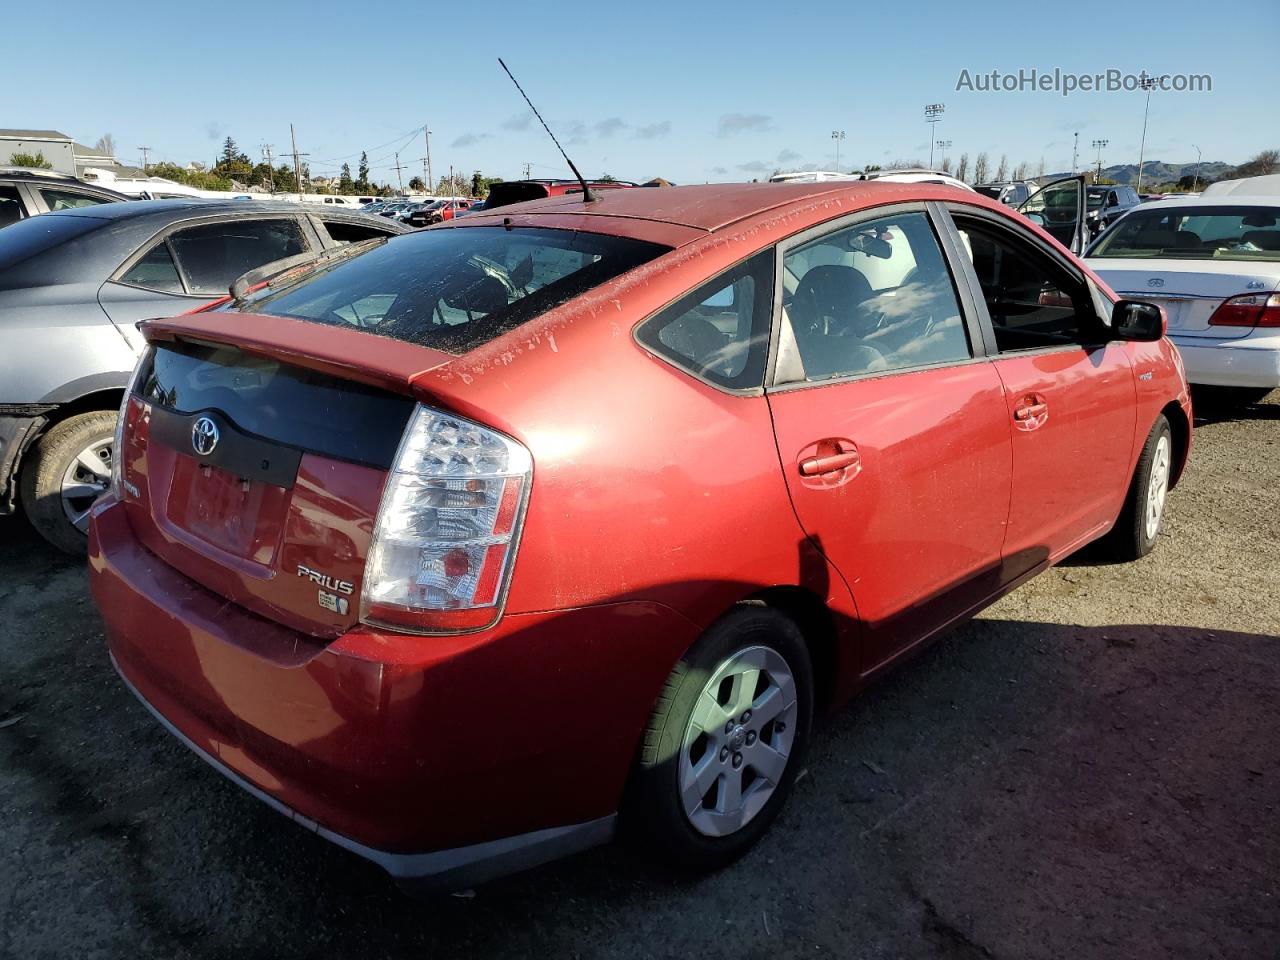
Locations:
(1252, 361)
(445, 760)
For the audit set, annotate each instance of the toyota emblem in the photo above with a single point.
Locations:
(1155, 282)
(204, 436)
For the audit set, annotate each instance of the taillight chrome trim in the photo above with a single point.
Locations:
(467, 620)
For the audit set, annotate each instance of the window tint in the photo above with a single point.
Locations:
(721, 330)
(1033, 302)
(155, 271)
(341, 231)
(873, 297)
(215, 254)
(456, 289)
(10, 206)
(69, 199)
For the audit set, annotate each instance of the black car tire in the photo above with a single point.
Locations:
(44, 467)
(653, 809)
(1131, 539)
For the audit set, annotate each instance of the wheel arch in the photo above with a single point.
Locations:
(1180, 426)
(817, 626)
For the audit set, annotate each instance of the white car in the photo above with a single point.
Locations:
(1214, 265)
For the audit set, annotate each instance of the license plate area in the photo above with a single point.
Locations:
(242, 517)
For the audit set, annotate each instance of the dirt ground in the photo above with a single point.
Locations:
(1090, 770)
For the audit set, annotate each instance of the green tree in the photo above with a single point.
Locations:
(417, 184)
(35, 161)
(607, 178)
(229, 153)
(345, 183)
(362, 182)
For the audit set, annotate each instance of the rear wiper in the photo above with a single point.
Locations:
(290, 268)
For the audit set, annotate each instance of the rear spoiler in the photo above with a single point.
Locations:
(297, 265)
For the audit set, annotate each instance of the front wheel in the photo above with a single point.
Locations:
(725, 740)
(1139, 523)
(64, 474)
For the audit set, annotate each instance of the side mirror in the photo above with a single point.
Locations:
(1137, 320)
(1036, 218)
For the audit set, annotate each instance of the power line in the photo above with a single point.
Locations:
(145, 151)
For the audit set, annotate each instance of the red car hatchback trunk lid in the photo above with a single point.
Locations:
(254, 462)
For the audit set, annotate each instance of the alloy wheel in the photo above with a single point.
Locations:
(86, 479)
(738, 741)
(1158, 485)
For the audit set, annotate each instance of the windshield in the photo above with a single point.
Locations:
(1194, 233)
(455, 289)
(992, 192)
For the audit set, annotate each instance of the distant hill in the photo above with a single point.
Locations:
(1157, 171)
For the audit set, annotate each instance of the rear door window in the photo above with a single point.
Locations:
(213, 255)
(872, 298)
(69, 199)
(10, 205)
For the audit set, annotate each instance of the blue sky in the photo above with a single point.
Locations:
(688, 91)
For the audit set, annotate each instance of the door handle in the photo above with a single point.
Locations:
(1031, 412)
(816, 466)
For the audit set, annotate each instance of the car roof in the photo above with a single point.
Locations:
(707, 207)
(178, 208)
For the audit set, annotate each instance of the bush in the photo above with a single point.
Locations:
(35, 161)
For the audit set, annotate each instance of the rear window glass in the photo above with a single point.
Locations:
(36, 235)
(1193, 233)
(291, 405)
(456, 289)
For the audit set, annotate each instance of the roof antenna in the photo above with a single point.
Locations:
(587, 196)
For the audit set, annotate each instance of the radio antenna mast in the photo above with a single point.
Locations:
(587, 196)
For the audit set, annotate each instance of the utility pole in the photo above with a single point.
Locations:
(431, 184)
(453, 187)
(145, 151)
(1075, 153)
(399, 176)
(932, 114)
(944, 146)
(271, 166)
(1146, 83)
(1195, 184)
(297, 169)
(1098, 145)
(528, 169)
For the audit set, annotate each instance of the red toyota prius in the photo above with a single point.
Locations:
(464, 547)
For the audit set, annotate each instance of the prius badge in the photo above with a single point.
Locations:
(204, 436)
(329, 596)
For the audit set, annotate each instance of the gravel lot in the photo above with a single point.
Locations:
(1092, 769)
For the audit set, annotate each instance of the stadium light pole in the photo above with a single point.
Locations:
(1147, 84)
(944, 146)
(932, 114)
(1098, 145)
(837, 136)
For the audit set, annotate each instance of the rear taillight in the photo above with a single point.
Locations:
(1250, 310)
(446, 534)
(117, 446)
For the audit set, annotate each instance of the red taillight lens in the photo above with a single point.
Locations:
(1250, 310)
(446, 533)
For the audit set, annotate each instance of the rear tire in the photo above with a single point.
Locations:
(1140, 520)
(725, 741)
(61, 474)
